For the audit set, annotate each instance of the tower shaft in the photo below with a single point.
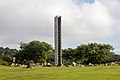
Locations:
(58, 41)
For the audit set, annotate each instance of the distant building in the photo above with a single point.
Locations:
(58, 41)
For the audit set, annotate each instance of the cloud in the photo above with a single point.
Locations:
(91, 21)
(26, 20)
(114, 11)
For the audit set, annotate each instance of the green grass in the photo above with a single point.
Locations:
(60, 73)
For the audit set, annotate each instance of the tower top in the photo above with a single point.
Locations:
(57, 16)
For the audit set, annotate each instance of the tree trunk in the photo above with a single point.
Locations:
(29, 65)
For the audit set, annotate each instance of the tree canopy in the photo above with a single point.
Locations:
(90, 53)
(35, 51)
(6, 55)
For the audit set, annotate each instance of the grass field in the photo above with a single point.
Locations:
(60, 73)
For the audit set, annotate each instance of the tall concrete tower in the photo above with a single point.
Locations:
(58, 41)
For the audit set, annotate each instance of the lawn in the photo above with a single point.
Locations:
(60, 73)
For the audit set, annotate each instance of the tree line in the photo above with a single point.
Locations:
(90, 53)
(6, 55)
(43, 52)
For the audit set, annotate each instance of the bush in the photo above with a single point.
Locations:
(42, 60)
(4, 63)
(1, 61)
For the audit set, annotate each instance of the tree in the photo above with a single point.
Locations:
(89, 53)
(69, 55)
(34, 51)
(7, 55)
(116, 57)
(7, 50)
(95, 53)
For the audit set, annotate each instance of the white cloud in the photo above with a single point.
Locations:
(114, 11)
(25, 20)
(91, 21)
